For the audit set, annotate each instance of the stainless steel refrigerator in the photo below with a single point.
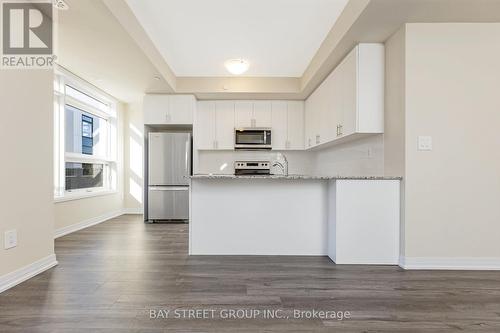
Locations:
(169, 165)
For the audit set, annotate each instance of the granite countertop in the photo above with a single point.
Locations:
(292, 177)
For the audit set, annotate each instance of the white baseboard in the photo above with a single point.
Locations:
(85, 224)
(12, 279)
(451, 263)
(134, 211)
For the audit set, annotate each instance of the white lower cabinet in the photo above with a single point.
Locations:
(363, 221)
(214, 125)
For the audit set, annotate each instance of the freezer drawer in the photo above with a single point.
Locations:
(168, 203)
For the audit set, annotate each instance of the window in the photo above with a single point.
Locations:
(87, 135)
(85, 139)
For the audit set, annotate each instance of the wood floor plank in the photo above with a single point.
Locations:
(111, 275)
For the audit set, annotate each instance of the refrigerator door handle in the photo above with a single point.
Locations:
(187, 158)
(168, 188)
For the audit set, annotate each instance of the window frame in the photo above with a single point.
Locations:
(62, 79)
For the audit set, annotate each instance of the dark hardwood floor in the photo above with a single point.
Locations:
(111, 275)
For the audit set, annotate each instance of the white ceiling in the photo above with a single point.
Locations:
(278, 37)
(92, 44)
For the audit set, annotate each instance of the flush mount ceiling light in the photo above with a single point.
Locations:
(237, 66)
(60, 4)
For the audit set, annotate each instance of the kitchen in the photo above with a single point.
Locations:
(251, 189)
(191, 165)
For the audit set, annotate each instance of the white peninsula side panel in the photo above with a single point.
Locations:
(364, 222)
(258, 217)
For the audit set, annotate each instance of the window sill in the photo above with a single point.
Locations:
(83, 195)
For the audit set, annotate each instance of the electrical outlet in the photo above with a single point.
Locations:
(425, 143)
(10, 239)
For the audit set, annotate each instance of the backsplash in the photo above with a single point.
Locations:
(221, 162)
(363, 157)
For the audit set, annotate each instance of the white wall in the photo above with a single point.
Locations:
(394, 116)
(453, 95)
(134, 152)
(68, 213)
(26, 173)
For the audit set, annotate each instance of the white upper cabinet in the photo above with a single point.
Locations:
(243, 114)
(214, 125)
(216, 121)
(252, 114)
(204, 126)
(224, 125)
(279, 127)
(295, 125)
(350, 102)
(262, 113)
(287, 125)
(370, 83)
(312, 121)
(160, 109)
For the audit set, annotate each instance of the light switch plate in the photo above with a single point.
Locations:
(10, 239)
(425, 143)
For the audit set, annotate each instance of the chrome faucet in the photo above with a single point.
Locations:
(282, 163)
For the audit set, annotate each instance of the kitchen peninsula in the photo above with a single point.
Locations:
(354, 220)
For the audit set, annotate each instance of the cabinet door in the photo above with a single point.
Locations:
(295, 125)
(243, 114)
(262, 114)
(181, 109)
(337, 103)
(311, 107)
(328, 118)
(224, 125)
(349, 93)
(279, 126)
(156, 109)
(204, 125)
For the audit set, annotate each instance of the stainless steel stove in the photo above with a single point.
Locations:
(253, 168)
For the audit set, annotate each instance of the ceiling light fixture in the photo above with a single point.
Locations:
(60, 4)
(237, 66)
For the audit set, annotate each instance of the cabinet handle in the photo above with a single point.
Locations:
(317, 139)
(340, 130)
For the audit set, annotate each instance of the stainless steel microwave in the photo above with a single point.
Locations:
(252, 138)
